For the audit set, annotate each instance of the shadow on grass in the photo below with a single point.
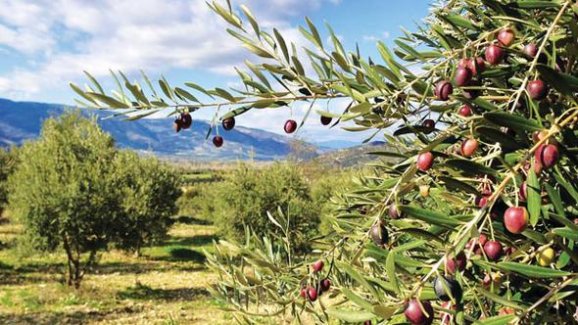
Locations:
(30, 273)
(76, 317)
(199, 240)
(144, 292)
(180, 254)
(140, 268)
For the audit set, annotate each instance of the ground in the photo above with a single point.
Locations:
(166, 285)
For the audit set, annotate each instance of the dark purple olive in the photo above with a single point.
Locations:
(443, 90)
(531, 50)
(229, 123)
(378, 234)
(186, 120)
(419, 315)
(326, 120)
(446, 288)
(463, 76)
(537, 89)
(218, 141)
(494, 54)
(290, 126)
(429, 124)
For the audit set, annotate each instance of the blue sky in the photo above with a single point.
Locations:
(44, 44)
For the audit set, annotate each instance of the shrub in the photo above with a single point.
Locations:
(73, 189)
(149, 192)
(249, 194)
(7, 162)
(64, 192)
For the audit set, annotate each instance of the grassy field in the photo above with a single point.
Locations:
(166, 285)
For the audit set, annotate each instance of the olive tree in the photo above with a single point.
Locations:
(7, 162)
(149, 194)
(72, 189)
(474, 221)
(63, 190)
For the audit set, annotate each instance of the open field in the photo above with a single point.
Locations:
(166, 285)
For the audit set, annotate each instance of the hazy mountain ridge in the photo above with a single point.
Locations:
(21, 121)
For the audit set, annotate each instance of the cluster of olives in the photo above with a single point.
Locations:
(311, 292)
(184, 121)
(515, 218)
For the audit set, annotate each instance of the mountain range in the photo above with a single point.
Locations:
(21, 121)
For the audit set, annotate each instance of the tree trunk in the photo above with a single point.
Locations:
(74, 275)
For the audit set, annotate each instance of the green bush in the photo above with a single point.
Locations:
(64, 192)
(198, 201)
(73, 189)
(7, 161)
(248, 194)
(149, 193)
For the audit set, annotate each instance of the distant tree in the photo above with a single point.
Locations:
(7, 162)
(248, 195)
(64, 192)
(149, 193)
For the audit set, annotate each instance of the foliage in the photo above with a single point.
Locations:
(64, 192)
(248, 195)
(73, 189)
(149, 194)
(7, 161)
(437, 187)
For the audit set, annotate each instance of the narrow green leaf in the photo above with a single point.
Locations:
(454, 184)
(513, 121)
(251, 19)
(113, 103)
(532, 271)
(314, 32)
(81, 93)
(501, 300)
(493, 135)
(430, 216)
(237, 111)
(225, 94)
(166, 89)
(390, 269)
(361, 108)
(185, 95)
(469, 167)
(351, 296)
(94, 82)
(358, 277)
(281, 43)
(566, 233)
(534, 198)
(460, 21)
(497, 320)
(556, 200)
(350, 316)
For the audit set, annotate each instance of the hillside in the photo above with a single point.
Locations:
(21, 121)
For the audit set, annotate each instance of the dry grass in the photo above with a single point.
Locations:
(165, 286)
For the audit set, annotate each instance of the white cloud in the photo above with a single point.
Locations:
(68, 36)
(375, 38)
